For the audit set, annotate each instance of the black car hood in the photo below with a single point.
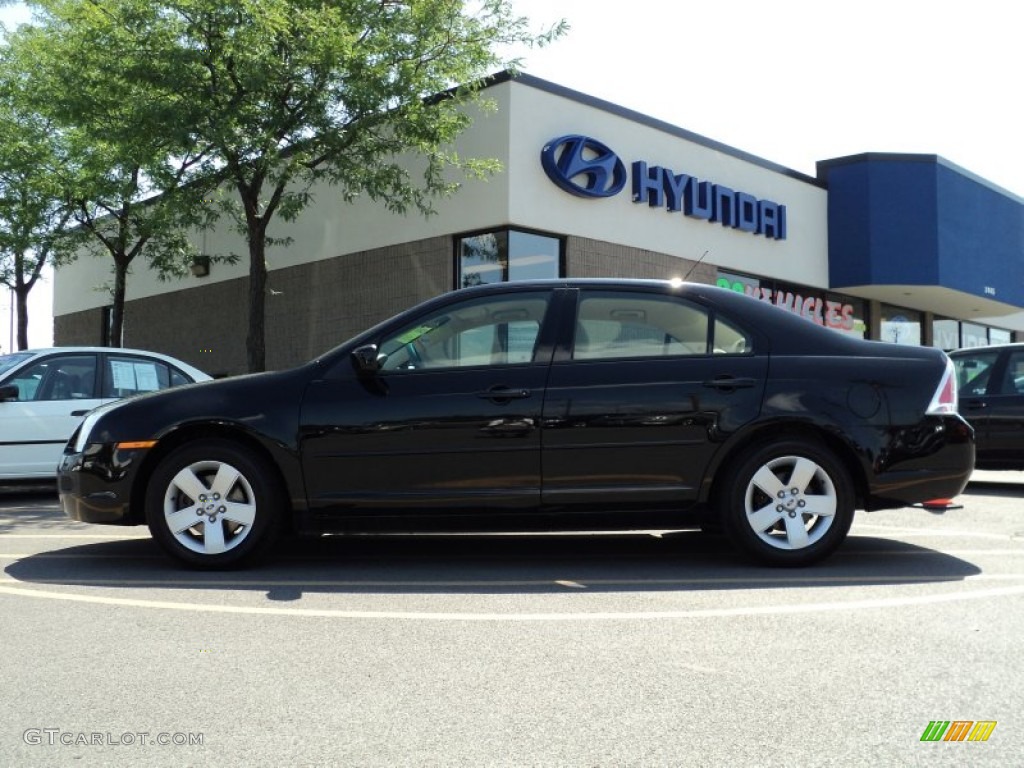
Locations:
(255, 401)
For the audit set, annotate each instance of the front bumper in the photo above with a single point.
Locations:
(94, 489)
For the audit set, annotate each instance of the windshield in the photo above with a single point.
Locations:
(10, 361)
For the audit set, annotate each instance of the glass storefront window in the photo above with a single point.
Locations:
(973, 335)
(950, 334)
(998, 336)
(483, 259)
(832, 310)
(850, 315)
(901, 326)
(508, 254)
(847, 315)
(946, 334)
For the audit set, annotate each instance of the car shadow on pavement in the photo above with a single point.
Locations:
(492, 564)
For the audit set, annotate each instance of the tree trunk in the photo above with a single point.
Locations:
(21, 294)
(255, 340)
(115, 334)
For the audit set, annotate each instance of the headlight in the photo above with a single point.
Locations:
(86, 429)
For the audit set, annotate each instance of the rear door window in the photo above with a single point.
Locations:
(614, 324)
(1013, 377)
(126, 375)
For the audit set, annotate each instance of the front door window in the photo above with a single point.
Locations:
(484, 332)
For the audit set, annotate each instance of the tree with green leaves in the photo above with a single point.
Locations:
(278, 96)
(33, 210)
(120, 212)
(123, 174)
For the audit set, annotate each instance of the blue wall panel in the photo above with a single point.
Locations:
(918, 220)
(849, 226)
(981, 238)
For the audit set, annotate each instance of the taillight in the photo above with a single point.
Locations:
(944, 399)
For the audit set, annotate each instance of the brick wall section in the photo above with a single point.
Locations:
(310, 308)
(79, 329)
(204, 326)
(314, 307)
(596, 258)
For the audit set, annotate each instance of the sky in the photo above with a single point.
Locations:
(795, 81)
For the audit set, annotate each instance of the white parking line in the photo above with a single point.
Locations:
(72, 536)
(758, 610)
(928, 532)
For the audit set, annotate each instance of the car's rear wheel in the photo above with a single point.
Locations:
(214, 504)
(787, 503)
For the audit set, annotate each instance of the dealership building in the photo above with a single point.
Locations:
(904, 248)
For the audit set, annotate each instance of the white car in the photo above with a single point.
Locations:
(45, 394)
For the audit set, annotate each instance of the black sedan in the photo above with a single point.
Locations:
(991, 383)
(577, 404)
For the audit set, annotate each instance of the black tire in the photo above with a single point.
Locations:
(214, 504)
(789, 503)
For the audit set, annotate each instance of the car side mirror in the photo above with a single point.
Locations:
(9, 392)
(366, 360)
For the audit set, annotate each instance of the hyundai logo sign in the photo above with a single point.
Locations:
(585, 167)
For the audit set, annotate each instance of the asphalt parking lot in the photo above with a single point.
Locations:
(645, 649)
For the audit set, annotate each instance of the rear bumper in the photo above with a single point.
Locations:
(933, 460)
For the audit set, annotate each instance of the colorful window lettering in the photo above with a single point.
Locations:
(958, 730)
(838, 313)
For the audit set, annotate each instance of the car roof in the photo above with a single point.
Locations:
(82, 348)
(986, 347)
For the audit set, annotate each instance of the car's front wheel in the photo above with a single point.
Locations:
(214, 504)
(787, 503)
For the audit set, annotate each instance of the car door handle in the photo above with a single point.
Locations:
(80, 413)
(729, 383)
(976, 405)
(503, 394)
